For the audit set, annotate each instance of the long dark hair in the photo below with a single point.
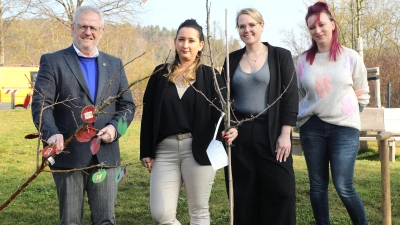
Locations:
(335, 50)
(190, 74)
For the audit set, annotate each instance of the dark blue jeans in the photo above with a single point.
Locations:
(326, 144)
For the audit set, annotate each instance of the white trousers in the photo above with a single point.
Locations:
(174, 164)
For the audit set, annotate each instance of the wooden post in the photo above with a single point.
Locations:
(385, 177)
(377, 89)
(374, 72)
(375, 77)
(12, 100)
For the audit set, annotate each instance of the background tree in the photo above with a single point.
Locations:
(379, 29)
(115, 11)
(9, 11)
(217, 41)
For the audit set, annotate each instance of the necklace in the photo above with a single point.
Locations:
(255, 61)
(252, 69)
(248, 57)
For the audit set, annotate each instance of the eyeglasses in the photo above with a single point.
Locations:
(243, 27)
(83, 28)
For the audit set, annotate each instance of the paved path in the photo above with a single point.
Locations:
(6, 105)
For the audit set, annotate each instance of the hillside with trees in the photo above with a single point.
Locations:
(30, 28)
(27, 39)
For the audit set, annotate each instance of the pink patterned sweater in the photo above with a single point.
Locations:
(332, 90)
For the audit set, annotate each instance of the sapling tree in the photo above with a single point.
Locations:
(84, 133)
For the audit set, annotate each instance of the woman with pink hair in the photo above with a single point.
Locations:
(333, 89)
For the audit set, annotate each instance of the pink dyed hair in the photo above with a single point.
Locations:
(317, 9)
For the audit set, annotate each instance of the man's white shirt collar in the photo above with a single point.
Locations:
(96, 53)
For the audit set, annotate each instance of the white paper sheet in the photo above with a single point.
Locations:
(217, 155)
(216, 151)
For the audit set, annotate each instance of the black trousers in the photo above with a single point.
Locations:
(264, 188)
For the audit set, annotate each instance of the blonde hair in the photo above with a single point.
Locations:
(254, 13)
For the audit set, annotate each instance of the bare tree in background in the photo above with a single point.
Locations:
(379, 21)
(10, 11)
(295, 42)
(115, 11)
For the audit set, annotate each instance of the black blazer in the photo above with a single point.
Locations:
(281, 67)
(206, 115)
(59, 78)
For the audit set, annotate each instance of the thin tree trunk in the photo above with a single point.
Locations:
(228, 119)
(1, 35)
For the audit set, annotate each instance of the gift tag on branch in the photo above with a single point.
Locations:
(86, 134)
(216, 151)
(122, 126)
(121, 174)
(89, 114)
(95, 145)
(99, 176)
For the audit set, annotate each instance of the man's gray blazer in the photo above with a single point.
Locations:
(61, 82)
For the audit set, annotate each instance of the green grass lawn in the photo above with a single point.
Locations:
(37, 204)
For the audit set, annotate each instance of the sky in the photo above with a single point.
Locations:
(277, 14)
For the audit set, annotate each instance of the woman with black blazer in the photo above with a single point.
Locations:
(262, 165)
(178, 124)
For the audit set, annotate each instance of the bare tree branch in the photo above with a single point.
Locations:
(115, 11)
(47, 161)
